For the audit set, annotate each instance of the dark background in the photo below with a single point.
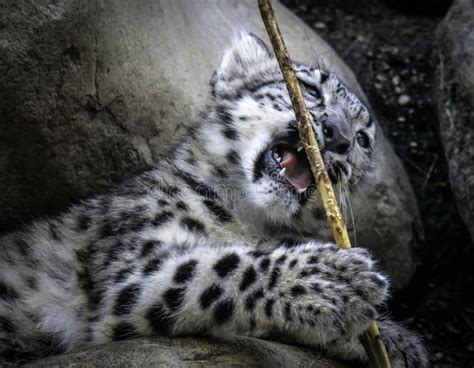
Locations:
(389, 46)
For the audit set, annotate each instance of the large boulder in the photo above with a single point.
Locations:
(93, 91)
(189, 352)
(455, 102)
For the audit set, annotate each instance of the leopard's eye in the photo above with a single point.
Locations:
(362, 139)
(312, 90)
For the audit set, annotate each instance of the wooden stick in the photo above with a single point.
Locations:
(371, 339)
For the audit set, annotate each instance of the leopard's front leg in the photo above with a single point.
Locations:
(314, 293)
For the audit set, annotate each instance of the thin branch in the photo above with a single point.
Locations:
(371, 339)
(428, 175)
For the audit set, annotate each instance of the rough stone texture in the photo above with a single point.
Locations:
(455, 100)
(190, 352)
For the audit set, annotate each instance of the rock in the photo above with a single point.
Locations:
(470, 347)
(439, 355)
(404, 100)
(320, 25)
(93, 91)
(454, 96)
(189, 352)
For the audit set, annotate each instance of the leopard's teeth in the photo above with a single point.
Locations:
(302, 190)
(276, 157)
(300, 148)
(282, 171)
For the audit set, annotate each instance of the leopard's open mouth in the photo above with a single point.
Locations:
(285, 161)
(294, 166)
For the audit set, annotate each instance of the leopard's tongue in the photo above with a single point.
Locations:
(297, 172)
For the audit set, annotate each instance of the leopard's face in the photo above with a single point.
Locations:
(252, 102)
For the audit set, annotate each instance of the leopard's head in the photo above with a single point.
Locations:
(253, 114)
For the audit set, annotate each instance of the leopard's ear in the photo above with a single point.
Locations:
(248, 52)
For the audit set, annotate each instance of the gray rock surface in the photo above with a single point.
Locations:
(92, 91)
(189, 352)
(455, 102)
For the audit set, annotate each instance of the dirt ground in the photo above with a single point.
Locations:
(391, 53)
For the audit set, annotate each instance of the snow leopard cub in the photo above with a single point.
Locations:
(221, 238)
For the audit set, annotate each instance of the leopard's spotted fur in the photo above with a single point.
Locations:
(212, 240)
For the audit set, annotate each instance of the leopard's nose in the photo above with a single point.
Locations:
(336, 136)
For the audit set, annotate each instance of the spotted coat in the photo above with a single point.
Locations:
(212, 240)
